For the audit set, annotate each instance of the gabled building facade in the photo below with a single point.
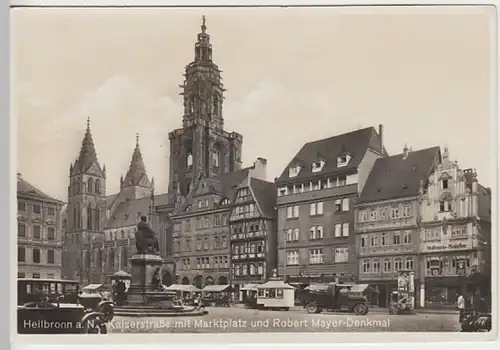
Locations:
(387, 218)
(315, 197)
(455, 234)
(39, 236)
(201, 237)
(252, 225)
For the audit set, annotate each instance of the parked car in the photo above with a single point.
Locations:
(50, 306)
(335, 297)
(97, 298)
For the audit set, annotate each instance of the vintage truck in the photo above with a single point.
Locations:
(335, 297)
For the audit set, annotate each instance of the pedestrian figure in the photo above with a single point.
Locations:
(461, 307)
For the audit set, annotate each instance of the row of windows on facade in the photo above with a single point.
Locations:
(313, 186)
(316, 232)
(396, 211)
(110, 261)
(218, 242)
(384, 239)
(243, 196)
(93, 217)
(35, 208)
(35, 275)
(316, 256)
(215, 262)
(248, 269)
(254, 226)
(36, 232)
(450, 265)
(203, 223)
(316, 208)
(248, 248)
(318, 165)
(90, 186)
(376, 265)
(36, 255)
(438, 233)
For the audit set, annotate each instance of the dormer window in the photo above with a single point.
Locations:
(343, 160)
(318, 166)
(225, 201)
(188, 208)
(294, 171)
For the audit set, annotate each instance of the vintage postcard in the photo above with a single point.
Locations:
(255, 170)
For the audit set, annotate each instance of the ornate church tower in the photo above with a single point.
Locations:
(202, 147)
(87, 189)
(86, 209)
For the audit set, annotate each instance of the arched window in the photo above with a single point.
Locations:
(75, 218)
(445, 202)
(98, 186)
(97, 218)
(98, 259)
(215, 158)
(111, 258)
(190, 160)
(87, 260)
(216, 105)
(90, 185)
(89, 218)
(124, 256)
(78, 223)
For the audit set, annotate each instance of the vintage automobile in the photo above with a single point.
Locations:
(474, 321)
(50, 306)
(97, 298)
(335, 297)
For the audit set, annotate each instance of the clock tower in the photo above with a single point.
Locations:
(202, 147)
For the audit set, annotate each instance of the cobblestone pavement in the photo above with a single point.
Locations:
(231, 320)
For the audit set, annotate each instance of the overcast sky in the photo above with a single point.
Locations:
(292, 76)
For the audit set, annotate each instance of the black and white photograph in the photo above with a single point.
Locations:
(255, 170)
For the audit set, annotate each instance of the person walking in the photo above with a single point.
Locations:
(461, 307)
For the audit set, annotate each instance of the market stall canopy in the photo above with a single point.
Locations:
(249, 287)
(218, 288)
(278, 284)
(121, 275)
(317, 287)
(183, 288)
(91, 287)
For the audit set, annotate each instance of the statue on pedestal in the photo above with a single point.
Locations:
(145, 239)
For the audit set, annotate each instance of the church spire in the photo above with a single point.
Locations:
(137, 170)
(88, 155)
(203, 48)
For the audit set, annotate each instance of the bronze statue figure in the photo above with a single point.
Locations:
(145, 239)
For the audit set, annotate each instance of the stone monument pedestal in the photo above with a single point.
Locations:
(145, 298)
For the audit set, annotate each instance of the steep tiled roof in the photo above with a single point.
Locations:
(27, 189)
(265, 193)
(355, 143)
(395, 177)
(127, 213)
(223, 184)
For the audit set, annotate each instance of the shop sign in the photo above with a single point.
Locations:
(447, 246)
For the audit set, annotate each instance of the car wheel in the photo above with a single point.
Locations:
(360, 309)
(312, 308)
(108, 311)
(95, 326)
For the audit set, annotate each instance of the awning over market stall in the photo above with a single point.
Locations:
(217, 288)
(120, 275)
(278, 284)
(250, 286)
(183, 288)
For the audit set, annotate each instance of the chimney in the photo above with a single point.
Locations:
(405, 151)
(258, 170)
(381, 135)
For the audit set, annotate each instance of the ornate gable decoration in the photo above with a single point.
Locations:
(94, 170)
(144, 182)
(444, 176)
